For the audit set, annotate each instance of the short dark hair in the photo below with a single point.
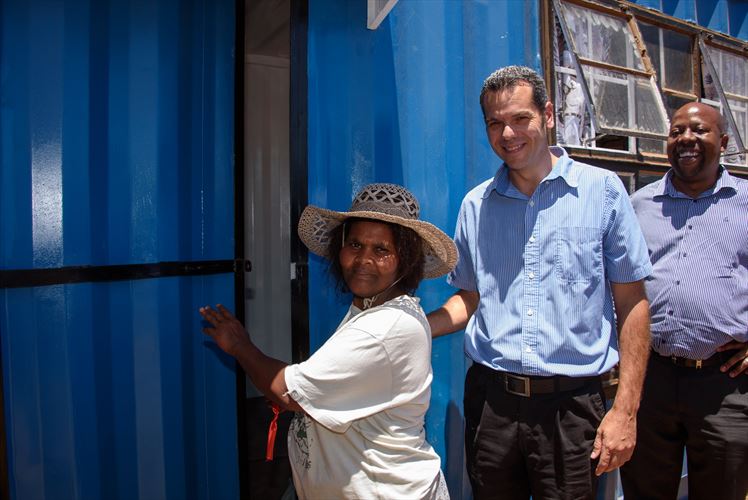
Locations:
(408, 245)
(511, 76)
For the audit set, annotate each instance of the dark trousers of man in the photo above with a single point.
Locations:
(540, 445)
(703, 410)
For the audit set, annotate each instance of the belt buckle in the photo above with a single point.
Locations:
(525, 393)
(698, 364)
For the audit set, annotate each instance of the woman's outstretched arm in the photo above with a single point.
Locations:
(266, 373)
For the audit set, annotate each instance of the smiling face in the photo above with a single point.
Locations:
(694, 145)
(516, 128)
(368, 259)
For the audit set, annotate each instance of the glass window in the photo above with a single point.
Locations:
(625, 97)
(732, 76)
(619, 75)
(671, 54)
(601, 37)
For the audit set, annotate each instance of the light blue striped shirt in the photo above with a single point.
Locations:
(698, 290)
(542, 266)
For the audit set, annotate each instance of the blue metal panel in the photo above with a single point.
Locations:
(113, 392)
(117, 122)
(652, 4)
(738, 14)
(400, 104)
(684, 9)
(116, 145)
(712, 14)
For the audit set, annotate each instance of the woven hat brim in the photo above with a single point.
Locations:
(440, 251)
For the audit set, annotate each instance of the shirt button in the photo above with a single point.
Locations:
(532, 203)
(531, 275)
(532, 239)
(528, 349)
(684, 254)
(670, 313)
(677, 282)
(529, 312)
(690, 226)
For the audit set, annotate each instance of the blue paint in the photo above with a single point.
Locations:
(117, 132)
(738, 15)
(652, 4)
(400, 104)
(116, 147)
(683, 9)
(113, 392)
(713, 14)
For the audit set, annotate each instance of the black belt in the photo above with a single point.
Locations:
(526, 386)
(697, 364)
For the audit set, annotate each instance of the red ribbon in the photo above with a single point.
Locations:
(272, 431)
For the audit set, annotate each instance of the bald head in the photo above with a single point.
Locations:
(708, 113)
(696, 140)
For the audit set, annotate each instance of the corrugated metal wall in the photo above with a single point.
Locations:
(400, 104)
(116, 143)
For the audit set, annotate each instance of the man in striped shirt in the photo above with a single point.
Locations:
(544, 248)
(695, 221)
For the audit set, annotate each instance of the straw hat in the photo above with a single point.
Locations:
(387, 203)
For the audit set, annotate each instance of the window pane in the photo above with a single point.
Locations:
(602, 37)
(651, 36)
(652, 146)
(732, 72)
(670, 53)
(740, 114)
(673, 103)
(648, 114)
(625, 101)
(678, 61)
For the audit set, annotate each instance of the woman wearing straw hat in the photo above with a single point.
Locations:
(361, 398)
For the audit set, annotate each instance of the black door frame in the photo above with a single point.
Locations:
(299, 198)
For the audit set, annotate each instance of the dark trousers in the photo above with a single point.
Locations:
(521, 446)
(705, 412)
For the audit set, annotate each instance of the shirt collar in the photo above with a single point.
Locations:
(563, 169)
(724, 181)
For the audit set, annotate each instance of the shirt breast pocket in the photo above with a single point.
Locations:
(578, 255)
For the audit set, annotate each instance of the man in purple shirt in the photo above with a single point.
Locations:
(695, 222)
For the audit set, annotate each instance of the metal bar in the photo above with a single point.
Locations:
(640, 45)
(4, 473)
(245, 479)
(299, 178)
(632, 133)
(614, 67)
(23, 278)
